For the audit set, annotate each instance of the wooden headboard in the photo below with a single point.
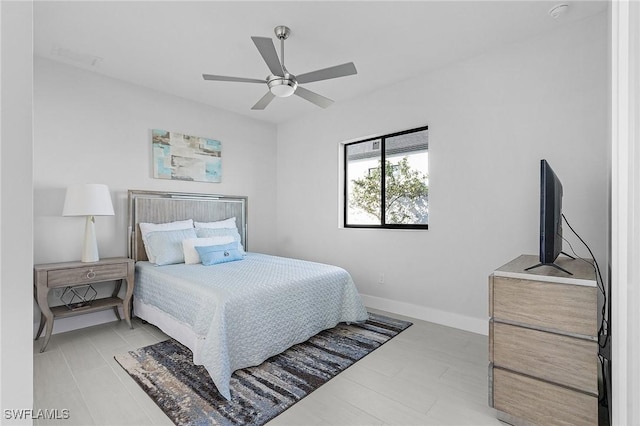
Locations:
(161, 207)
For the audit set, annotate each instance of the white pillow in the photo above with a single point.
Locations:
(189, 245)
(226, 224)
(145, 228)
(221, 232)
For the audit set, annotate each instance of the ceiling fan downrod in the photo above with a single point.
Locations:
(282, 32)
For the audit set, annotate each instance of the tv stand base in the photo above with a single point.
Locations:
(550, 264)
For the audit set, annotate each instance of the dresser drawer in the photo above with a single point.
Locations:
(86, 274)
(560, 359)
(538, 402)
(562, 307)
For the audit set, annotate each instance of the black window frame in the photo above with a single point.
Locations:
(383, 158)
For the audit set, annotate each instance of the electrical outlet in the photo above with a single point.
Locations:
(381, 278)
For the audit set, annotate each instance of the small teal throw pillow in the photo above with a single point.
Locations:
(213, 255)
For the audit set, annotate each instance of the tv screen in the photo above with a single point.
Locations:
(550, 214)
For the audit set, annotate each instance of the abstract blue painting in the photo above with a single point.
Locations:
(182, 157)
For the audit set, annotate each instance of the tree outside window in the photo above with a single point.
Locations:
(391, 196)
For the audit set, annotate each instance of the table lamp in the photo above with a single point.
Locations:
(88, 200)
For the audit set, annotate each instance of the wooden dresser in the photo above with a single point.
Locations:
(543, 349)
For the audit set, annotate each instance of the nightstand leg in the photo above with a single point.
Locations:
(47, 334)
(126, 308)
(116, 290)
(41, 326)
(126, 304)
(45, 312)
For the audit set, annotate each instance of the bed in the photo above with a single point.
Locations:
(233, 314)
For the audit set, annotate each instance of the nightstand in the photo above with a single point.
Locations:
(69, 274)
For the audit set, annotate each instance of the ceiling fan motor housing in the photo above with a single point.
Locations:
(282, 86)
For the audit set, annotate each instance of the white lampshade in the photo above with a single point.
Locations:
(88, 200)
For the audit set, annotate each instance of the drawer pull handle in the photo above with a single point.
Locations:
(91, 275)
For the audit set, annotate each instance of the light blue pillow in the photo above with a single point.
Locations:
(221, 232)
(166, 246)
(213, 255)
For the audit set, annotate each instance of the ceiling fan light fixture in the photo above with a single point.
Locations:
(282, 87)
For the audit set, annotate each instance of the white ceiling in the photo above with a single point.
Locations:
(168, 45)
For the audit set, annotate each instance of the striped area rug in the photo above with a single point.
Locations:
(187, 395)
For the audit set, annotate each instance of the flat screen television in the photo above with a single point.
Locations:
(550, 217)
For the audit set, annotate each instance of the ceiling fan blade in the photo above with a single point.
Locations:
(313, 97)
(327, 73)
(264, 101)
(236, 79)
(268, 51)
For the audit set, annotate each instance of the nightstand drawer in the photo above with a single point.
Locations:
(541, 403)
(566, 308)
(553, 357)
(85, 274)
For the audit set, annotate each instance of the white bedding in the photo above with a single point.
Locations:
(240, 313)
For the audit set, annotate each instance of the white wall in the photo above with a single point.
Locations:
(491, 119)
(94, 129)
(16, 213)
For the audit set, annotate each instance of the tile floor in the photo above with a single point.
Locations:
(428, 375)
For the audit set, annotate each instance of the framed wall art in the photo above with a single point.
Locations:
(183, 157)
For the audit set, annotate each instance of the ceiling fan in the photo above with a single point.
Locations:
(282, 83)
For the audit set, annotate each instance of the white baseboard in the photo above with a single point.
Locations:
(62, 325)
(463, 322)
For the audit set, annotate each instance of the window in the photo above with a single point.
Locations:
(386, 181)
